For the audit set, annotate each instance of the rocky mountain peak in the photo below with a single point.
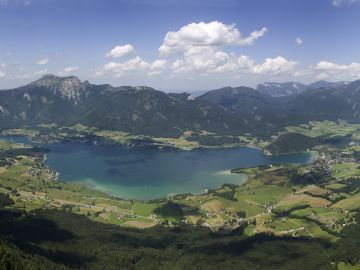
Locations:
(70, 87)
(326, 84)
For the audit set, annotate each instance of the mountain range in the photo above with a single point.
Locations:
(293, 88)
(144, 110)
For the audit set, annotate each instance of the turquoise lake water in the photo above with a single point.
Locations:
(149, 174)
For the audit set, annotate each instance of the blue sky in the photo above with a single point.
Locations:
(180, 45)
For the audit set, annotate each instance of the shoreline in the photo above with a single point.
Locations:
(312, 158)
(106, 190)
(94, 139)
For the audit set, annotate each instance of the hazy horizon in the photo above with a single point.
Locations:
(175, 90)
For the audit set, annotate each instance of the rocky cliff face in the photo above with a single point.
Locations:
(70, 88)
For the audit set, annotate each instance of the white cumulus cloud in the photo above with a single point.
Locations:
(120, 51)
(276, 65)
(328, 66)
(158, 64)
(200, 59)
(299, 42)
(133, 64)
(322, 76)
(338, 3)
(136, 64)
(212, 34)
(210, 60)
(338, 71)
(43, 61)
(2, 74)
(199, 49)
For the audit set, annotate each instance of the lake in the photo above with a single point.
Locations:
(149, 174)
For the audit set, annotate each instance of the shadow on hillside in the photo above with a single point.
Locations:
(274, 251)
(175, 210)
(28, 232)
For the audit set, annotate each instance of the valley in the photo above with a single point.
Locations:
(289, 193)
(317, 200)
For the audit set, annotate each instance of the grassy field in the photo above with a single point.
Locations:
(350, 203)
(300, 199)
(325, 128)
(346, 170)
(262, 194)
(144, 209)
(314, 190)
(335, 186)
(53, 133)
(345, 266)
